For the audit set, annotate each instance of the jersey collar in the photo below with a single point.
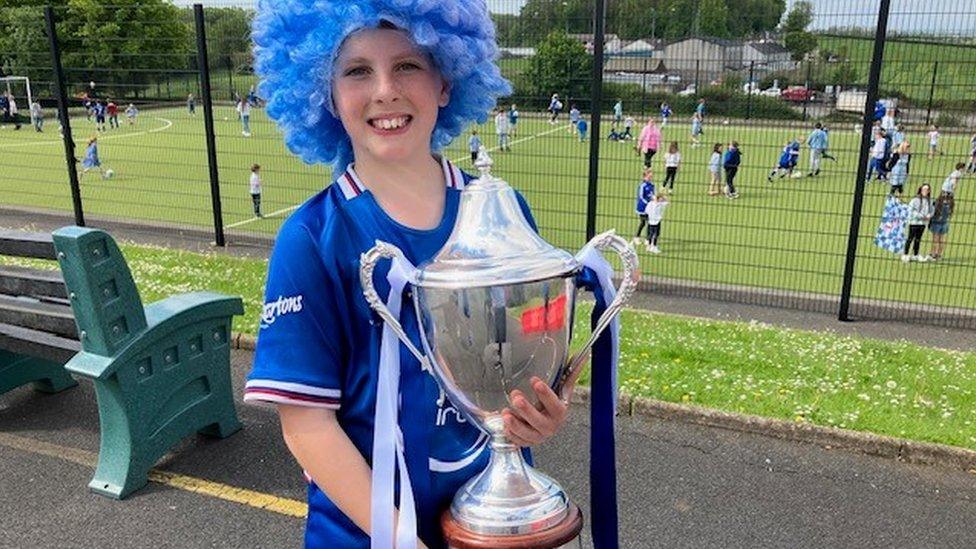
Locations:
(351, 186)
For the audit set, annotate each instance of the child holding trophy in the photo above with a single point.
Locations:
(376, 88)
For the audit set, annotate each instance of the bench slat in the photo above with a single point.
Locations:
(45, 317)
(32, 282)
(34, 343)
(23, 244)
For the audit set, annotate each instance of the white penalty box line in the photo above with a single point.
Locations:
(295, 207)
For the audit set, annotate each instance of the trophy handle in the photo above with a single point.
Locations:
(606, 241)
(367, 264)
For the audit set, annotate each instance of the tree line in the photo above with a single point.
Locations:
(124, 45)
(633, 19)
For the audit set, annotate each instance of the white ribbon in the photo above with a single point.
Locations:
(388, 451)
(594, 260)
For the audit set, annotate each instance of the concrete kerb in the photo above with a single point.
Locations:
(908, 451)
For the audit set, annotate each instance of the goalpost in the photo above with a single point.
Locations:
(10, 84)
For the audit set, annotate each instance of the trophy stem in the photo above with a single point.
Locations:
(510, 505)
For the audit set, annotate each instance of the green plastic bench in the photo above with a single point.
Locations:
(161, 372)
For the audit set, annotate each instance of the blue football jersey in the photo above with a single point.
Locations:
(319, 345)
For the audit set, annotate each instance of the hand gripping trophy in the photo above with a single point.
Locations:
(495, 309)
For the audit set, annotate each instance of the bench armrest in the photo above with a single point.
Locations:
(193, 306)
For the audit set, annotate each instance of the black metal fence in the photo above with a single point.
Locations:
(181, 153)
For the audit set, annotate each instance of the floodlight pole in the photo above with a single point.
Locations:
(204, 68)
(874, 78)
(69, 143)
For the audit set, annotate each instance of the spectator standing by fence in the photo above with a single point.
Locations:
(817, 141)
(131, 112)
(245, 110)
(920, 211)
(939, 224)
(672, 160)
(649, 141)
(255, 188)
(37, 116)
(628, 128)
(952, 180)
(934, 136)
(12, 109)
(731, 162)
(574, 118)
(502, 129)
(645, 193)
(474, 144)
(696, 130)
(513, 117)
(655, 214)
(715, 170)
(113, 114)
(555, 107)
(899, 165)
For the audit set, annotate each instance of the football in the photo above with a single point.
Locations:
(109, 174)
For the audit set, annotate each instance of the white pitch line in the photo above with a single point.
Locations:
(168, 122)
(290, 208)
(523, 140)
(272, 214)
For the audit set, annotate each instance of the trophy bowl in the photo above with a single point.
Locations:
(495, 309)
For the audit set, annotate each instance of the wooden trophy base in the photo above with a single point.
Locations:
(557, 536)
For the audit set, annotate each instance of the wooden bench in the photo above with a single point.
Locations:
(161, 372)
(37, 330)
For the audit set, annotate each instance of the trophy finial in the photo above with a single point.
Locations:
(484, 162)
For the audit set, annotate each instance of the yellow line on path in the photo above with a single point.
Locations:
(259, 500)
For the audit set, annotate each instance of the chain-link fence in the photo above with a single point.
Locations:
(822, 204)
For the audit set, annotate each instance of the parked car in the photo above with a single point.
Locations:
(751, 88)
(772, 92)
(798, 94)
(690, 90)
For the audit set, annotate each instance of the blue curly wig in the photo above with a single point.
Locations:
(296, 43)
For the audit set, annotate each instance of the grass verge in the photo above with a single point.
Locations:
(887, 387)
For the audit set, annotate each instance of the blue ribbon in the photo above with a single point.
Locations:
(596, 277)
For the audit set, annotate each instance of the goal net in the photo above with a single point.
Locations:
(18, 88)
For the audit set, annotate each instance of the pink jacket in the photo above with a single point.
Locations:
(650, 138)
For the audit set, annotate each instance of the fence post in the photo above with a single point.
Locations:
(806, 85)
(643, 88)
(852, 234)
(935, 74)
(230, 78)
(62, 94)
(752, 71)
(697, 69)
(204, 67)
(596, 92)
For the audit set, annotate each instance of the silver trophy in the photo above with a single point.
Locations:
(495, 308)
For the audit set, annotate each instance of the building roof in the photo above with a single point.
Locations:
(588, 38)
(640, 65)
(768, 47)
(725, 43)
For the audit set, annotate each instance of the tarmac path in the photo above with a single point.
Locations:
(679, 486)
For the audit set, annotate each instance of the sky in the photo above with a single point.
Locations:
(947, 17)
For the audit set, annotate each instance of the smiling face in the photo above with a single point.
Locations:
(387, 93)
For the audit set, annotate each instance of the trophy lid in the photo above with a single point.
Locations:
(492, 243)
